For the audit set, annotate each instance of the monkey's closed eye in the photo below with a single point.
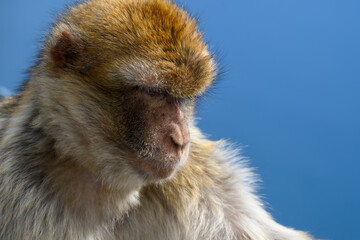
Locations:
(154, 92)
(163, 95)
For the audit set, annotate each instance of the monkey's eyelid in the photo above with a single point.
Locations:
(181, 100)
(154, 91)
(165, 94)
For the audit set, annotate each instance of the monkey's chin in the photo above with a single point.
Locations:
(153, 169)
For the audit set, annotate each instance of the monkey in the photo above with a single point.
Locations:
(102, 143)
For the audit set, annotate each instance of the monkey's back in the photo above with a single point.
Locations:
(7, 108)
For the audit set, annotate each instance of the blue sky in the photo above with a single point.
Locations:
(289, 95)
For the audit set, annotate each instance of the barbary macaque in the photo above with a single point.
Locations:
(101, 142)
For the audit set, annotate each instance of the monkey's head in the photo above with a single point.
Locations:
(127, 75)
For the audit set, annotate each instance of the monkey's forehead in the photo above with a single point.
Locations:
(178, 81)
(147, 42)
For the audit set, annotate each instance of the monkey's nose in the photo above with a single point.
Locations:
(177, 142)
(179, 136)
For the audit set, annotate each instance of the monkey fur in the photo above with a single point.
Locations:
(101, 143)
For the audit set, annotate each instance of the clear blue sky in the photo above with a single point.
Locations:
(289, 94)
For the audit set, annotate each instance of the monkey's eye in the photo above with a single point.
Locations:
(162, 94)
(153, 92)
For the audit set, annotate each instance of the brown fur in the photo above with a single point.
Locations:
(156, 33)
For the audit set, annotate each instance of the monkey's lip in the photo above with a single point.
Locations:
(155, 169)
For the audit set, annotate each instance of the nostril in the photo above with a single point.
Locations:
(178, 136)
(176, 142)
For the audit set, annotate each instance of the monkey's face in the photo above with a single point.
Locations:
(153, 127)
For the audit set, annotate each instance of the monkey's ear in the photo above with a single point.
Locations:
(67, 49)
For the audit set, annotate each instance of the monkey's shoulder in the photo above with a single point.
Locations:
(8, 105)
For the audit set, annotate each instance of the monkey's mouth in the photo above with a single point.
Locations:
(157, 167)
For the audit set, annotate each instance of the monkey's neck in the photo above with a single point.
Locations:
(54, 180)
(85, 195)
